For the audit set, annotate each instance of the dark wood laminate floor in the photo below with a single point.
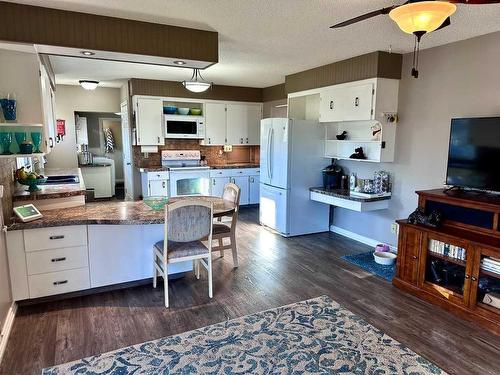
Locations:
(273, 271)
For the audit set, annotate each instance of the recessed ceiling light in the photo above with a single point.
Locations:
(87, 53)
(179, 62)
(88, 85)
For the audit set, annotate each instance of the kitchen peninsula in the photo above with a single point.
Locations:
(90, 246)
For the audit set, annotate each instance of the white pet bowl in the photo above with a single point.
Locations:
(384, 258)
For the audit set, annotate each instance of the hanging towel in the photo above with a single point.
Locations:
(110, 140)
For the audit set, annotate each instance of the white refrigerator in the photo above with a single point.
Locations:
(291, 161)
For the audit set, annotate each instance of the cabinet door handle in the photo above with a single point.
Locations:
(415, 257)
(58, 259)
(60, 282)
(467, 276)
(163, 184)
(51, 142)
(58, 237)
(473, 278)
(209, 140)
(213, 181)
(251, 179)
(331, 104)
(241, 140)
(356, 102)
(247, 140)
(158, 139)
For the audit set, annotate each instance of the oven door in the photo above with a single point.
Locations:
(183, 127)
(189, 182)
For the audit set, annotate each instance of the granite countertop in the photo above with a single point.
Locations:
(345, 194)
(94, 165)
(52, 191)
(217, 166)
(111, 213)
(235, 166)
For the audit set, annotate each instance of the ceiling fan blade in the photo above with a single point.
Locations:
(364, 17)
(447, 22)
(474, 2)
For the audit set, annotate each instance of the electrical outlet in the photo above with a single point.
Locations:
(228, 148)
(390, 118)
(394, 228)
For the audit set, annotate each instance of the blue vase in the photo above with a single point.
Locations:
(36, 137)
(9, 109)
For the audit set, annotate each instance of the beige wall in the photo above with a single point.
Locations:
(270, 110)
(74, 98)
(457, 80)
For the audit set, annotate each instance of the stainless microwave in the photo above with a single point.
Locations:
(184, 127)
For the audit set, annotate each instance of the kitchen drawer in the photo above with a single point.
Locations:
(234, 172)
(48, 284)
(55, 237)
(66, 258)
(160, 175)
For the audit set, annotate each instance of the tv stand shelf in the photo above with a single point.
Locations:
(448, 266)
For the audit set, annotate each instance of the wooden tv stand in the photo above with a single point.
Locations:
(450, 266)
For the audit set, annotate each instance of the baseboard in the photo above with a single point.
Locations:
(9, 321)
(357, 237)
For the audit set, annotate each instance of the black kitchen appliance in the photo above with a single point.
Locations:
(332, 176)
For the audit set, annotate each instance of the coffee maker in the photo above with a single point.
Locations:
(332, 176)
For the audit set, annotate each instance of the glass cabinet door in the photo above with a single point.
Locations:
(485, 290)
(446, 268)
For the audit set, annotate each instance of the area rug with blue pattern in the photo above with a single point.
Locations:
(366, 262)
(317, 336)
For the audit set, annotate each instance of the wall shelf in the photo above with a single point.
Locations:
(20, 125)
(22, 155)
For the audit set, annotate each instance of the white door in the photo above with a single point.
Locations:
(266, 127)
(331, 106)
(158, 188)
(273, 208)
(215, 123)
(149, 121)
(48, 105)
(278, 159)
(237, 124)
(244, 185)
(359, 102)
(128, 171)
(217, 185)
(253, 189)
(254, 115)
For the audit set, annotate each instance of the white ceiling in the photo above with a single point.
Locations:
(261, 41)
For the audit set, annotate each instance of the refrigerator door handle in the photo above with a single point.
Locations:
(269, 153)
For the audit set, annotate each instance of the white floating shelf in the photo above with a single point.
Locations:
(344, 158)
(22, 155)
(352, 141)
(20, 125)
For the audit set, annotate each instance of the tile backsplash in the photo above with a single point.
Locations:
(213, 154)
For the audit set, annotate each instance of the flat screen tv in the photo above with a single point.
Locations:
(474, 154)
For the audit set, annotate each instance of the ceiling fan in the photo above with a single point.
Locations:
(418, 17)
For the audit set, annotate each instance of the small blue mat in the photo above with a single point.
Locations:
(366, 262)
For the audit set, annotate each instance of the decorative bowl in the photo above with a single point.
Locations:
(26, 148)
(32, 183)
(157, 203)
(384, 258)
(169, 109)
(195, 111)
(183, 111)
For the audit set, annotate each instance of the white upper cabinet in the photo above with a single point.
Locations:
(364, 100)
(149, 121)
(215, 123)
(49, 110)
(232, 123)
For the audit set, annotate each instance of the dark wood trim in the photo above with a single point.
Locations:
(54, 27)
(275, 92)
(371, 65)
(175, 89)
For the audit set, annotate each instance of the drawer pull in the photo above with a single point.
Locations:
(60, 282)
(58, 259)
(59, 237)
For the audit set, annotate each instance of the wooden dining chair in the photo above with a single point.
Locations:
(187, 223)
(223, 231)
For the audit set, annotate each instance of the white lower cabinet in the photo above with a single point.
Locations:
(247, 179)
(50, 261)
(123, 253)
(155, 184)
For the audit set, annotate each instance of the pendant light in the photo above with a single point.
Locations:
(419, 18)
(88, 85)
(197, 83)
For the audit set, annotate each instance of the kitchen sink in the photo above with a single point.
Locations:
(62, 179)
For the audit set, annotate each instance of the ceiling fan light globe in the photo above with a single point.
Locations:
(88, 85)
(423, 16)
